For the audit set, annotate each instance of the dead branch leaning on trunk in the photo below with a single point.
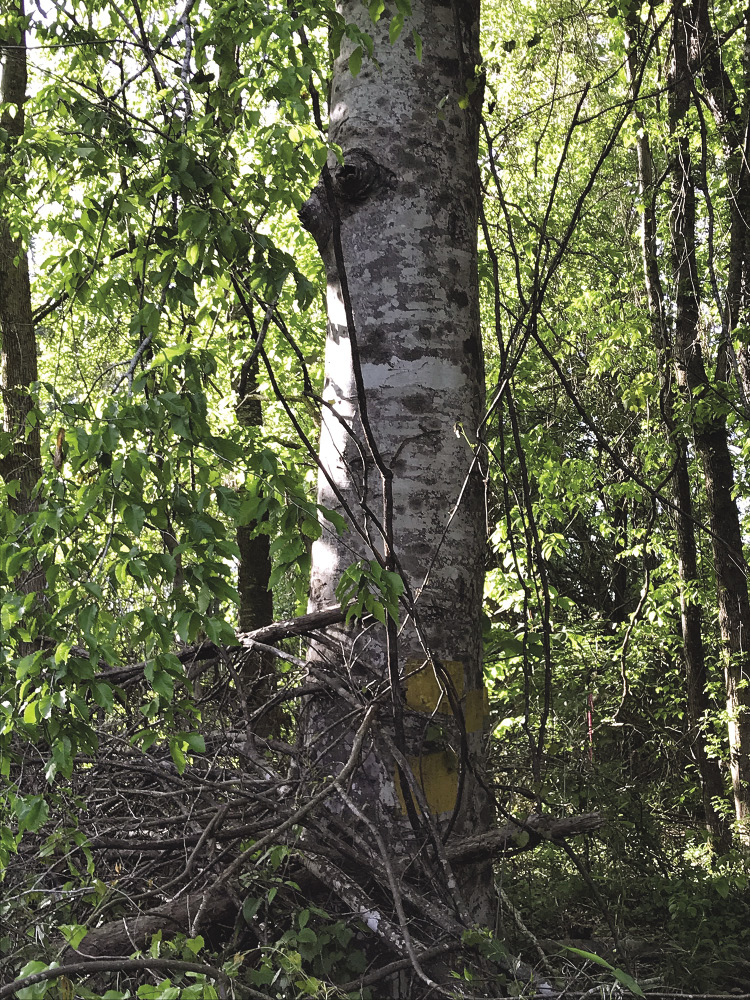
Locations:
(522, 835)
(287, 629)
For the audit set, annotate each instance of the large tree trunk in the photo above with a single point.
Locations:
(396, 225)
(709, 433)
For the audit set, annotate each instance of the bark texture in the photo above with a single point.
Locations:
(21, 460)
(707, 422)
(187, 915)
(20, 456)
(404, 224)
(254, 571)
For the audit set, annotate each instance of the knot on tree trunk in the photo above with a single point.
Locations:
(359, 178)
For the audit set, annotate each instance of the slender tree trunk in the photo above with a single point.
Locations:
(710, 436)
(253, 575)
(21, 461)
(712, 785)
(396, 225)
(254, 571)
(619, 613)
(256, 600)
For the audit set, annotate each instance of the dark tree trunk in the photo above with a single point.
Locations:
(709, 430)
(21, 460)
(254, 571)
(19, 365)
(712, 784)
(253, 576)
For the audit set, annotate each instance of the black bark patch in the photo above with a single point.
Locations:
(316, 217)
(360, 176)
(357, 179)
(471, 348)
(415, 403)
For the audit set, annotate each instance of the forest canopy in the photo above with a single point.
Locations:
(374, 496)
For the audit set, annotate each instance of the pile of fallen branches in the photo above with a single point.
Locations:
(138, 846)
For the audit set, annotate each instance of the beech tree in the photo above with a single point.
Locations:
(396, 223)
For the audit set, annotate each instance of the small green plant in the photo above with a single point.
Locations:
(367, 588)
(619, 974)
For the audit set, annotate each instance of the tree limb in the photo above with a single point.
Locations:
(512, 837)
(87, 968)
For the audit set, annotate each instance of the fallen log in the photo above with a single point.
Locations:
(134, 933)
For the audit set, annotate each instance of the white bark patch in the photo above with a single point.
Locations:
(371, 918)
(335, 307)
(424, 373)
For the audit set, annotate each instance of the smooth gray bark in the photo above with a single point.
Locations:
(406, 198)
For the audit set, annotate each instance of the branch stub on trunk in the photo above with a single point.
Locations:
(359, 178)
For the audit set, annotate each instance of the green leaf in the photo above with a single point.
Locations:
(178, 756)
(629, 982)
(32, 812)
(73, 933)
(195, 742)
(195, 945)
(396, 27)
(393, 582)
(620, 976)
(377, 610)
(219, 631)
(134, 516)
(31, 713)
(62, 756)
(38, 990)
(417, 44)
(376, 8)
(163, 684)
(355, 61)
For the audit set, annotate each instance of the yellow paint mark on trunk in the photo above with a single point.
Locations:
(426, 692)
(438, 776)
